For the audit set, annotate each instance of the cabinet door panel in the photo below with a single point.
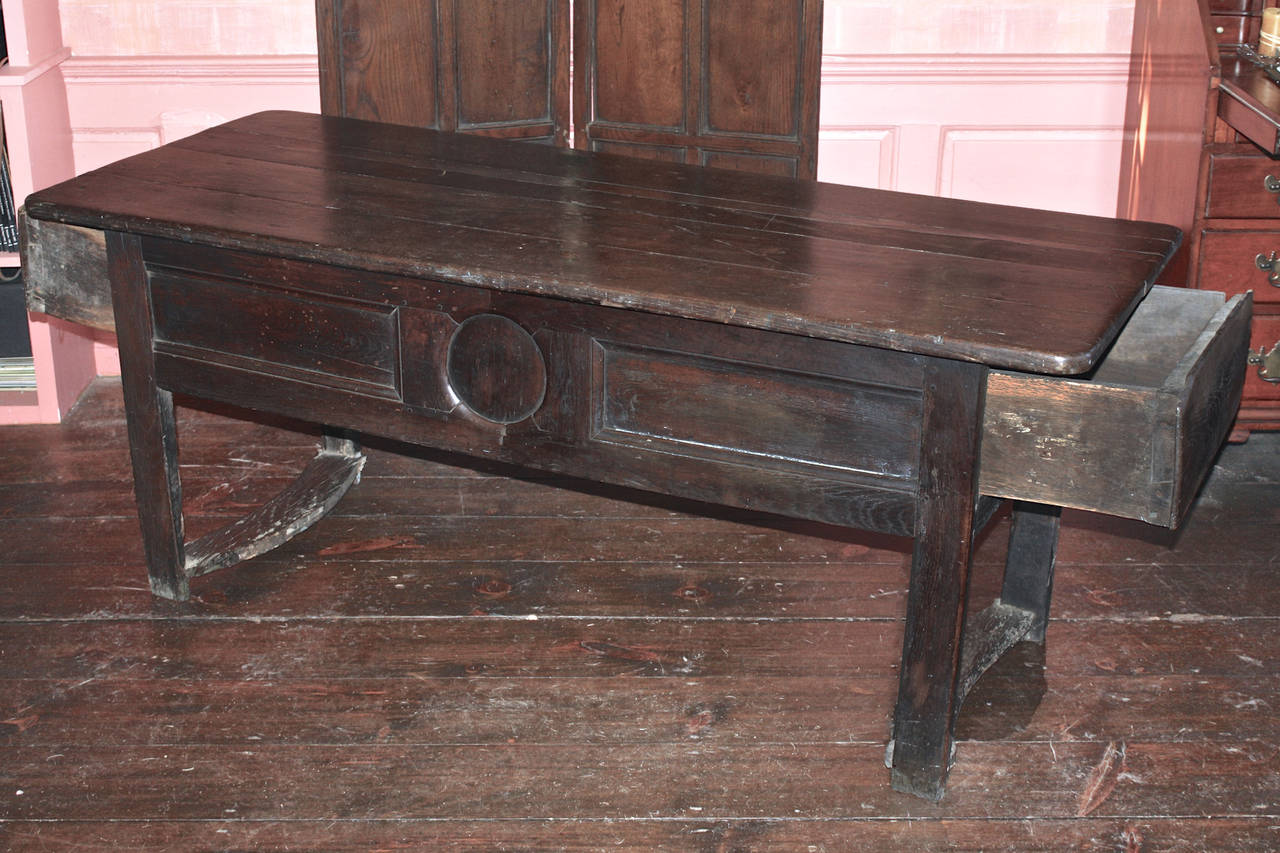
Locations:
(667, 154)
(504, 61)
(496, 67)
(724, 82)
(628, 91)
(728, 82)
(761, 164)
(752, 91)
(376, 60)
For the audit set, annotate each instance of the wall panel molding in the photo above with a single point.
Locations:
(1034, 130)
(1031, 166)
(967, 69)
(122, 105)
(220, 70)
(858, 154)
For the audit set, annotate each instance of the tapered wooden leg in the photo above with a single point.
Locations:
(153, 441)
(928, 697)
(1028, 571)
(153, 444)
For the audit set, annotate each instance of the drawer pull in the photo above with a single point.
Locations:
(1271, 265)
(1272, 185)
(1268, 363)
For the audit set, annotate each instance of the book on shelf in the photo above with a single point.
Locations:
(17, 374)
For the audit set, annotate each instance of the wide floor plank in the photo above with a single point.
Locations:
(460, 659)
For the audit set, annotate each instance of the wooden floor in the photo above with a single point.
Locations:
(460, 660)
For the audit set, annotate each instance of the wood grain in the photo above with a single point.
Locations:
(823, 287)
(496, 68)
(352, 700)
(641, 835)
(731, 85)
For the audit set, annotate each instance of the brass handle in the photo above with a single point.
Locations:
(1268, 363)
(1271, 265)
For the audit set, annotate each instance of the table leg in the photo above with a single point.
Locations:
(928, 692)
(1028, 571)
(153, 440)
(153, 445)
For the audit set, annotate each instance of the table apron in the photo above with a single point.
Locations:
(803, 427)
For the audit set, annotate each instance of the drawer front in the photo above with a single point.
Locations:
(1137, 439)
(716, 408)
(1234, 29)
(1229, 262)
(1236, 7)
(275, 331)
(1265, 339)
(1243, 184)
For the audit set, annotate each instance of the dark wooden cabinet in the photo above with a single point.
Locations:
(1202, 151)
(728, 83)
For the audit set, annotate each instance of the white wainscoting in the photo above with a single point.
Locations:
(1035, 131)
(122, 105)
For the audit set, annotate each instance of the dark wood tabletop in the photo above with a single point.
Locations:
(1012, 288)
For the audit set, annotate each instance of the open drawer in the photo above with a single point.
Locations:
(1136, 437)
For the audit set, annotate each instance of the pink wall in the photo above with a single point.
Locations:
(38, 141)
(1011, 101)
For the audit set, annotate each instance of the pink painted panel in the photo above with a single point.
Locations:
(124, 105)
(189, 27)
(32, 30)
(1069, 108)
(860, 156)
(939, 27)
(1071, 170)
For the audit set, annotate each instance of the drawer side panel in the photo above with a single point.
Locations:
(1210, 397)
(1137, 439)
(1070, 443)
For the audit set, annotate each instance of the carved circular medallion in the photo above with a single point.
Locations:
(496, 369)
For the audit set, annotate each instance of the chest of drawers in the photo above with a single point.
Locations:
(1202, 152)
(1236, 249)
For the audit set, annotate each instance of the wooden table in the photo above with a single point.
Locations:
(881, 361)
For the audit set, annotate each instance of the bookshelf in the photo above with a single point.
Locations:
(38, 136)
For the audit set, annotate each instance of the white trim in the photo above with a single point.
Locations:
(968, 69)
(837, 68)
(219, 70)
(141, 136)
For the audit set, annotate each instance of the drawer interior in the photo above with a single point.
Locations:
(1160, 337)
(1136, 437)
